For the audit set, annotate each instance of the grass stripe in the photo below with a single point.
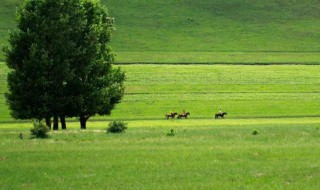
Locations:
(239, 58)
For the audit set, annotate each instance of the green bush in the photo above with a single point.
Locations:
(255, 132)
(117, 127)
(39, 130)
(171, 133)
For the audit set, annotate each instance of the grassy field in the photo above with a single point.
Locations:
(244, 58)
(192, 26)
(207, 31)
(257, 60)
(204, 154)
(243, 91)
(4, 112)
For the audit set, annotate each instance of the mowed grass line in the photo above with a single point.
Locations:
(220, 154)
(245, 58)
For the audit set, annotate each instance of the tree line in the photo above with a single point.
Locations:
(61, 63)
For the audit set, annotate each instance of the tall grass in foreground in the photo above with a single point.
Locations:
(220, 155)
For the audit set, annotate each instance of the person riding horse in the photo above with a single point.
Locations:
(171, 115)
(217, 115)
(184, 114)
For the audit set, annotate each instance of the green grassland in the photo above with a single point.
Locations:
(193, 27)
(204, 154)
(4, 112)
(243, 58)
(206, 31)
(213, 48)
(244, 91)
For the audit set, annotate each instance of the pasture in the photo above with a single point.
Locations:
(204, 154)
(279, 101)
(243, 91)
(229, 58)
(205, 31)
(256, 60)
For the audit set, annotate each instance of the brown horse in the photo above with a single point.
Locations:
(171, 115)
(217, 115)
(185, 115)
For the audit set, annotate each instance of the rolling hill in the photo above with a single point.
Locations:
(233, 31)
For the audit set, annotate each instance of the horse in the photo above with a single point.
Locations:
(185, 115)
(217, 115)
(171, 115)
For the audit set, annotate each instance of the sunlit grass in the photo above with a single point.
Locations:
(281, 102)
(208, 154)
(243, 91)
(250, 58)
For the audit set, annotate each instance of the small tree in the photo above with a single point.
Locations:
(39, 130)
(117, 127)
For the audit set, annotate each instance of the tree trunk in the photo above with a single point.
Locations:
(83, 121)
(63, 122)
(55, 123)
(48, 122)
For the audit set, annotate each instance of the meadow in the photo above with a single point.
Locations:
(229, 58)
(241, 90)
(278, 101)
(256, 60)
(206, 31)
(204, 154)
(244, 91)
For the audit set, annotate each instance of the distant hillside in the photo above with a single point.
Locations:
(147, 29)
(7, 18)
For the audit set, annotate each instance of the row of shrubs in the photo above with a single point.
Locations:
(40, 129)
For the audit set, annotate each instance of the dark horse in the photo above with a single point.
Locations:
(217, 115)
(185, 115)
(171, 115)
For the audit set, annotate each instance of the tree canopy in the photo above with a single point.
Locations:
(61, 62)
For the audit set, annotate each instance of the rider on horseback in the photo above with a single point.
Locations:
(171, 115)
(220, 114)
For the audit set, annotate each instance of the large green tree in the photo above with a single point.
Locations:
(60, 61)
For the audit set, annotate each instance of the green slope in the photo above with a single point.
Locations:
(201, 31)
(7, 19)
(195, 29)
(216, 25)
